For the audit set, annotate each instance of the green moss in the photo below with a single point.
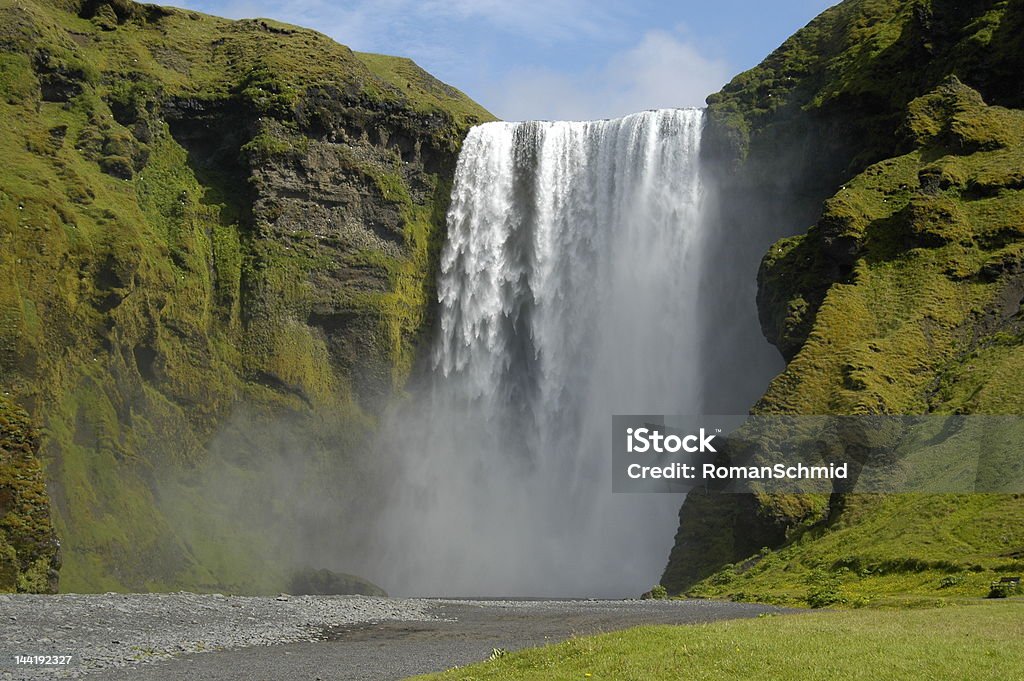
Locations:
(883, 547)
(903, 298)
(848, 78)
(29, 551)
(882, 332)
(152, 283)
(425, 93)
(413, 281)
(265, 146)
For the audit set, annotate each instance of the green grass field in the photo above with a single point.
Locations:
(886, 548)
(979, 641)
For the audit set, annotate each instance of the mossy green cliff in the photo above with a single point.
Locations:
(897, 129)
(217, 250)
(29, 550)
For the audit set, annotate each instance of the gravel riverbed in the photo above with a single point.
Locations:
(154, 637)
(115, 630)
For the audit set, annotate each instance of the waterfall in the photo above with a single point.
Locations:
(567, 293)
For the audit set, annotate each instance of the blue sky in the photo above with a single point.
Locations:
(555, 59)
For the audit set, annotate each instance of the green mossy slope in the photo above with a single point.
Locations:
(217, 242)
(29, 550)
(902, 121)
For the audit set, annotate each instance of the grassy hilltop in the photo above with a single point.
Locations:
(198, 214)
(895, 130)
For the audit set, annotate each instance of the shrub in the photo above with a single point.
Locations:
(824, 597)
(950, 581)
(658, 592)
(825, 590)
(1003, 589)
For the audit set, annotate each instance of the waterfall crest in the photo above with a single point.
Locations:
(567, 293)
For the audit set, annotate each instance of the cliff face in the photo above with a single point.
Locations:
(895, 128)
(217, 243)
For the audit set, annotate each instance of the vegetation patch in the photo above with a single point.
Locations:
(903, 297)
(176, 233)
(977, 642)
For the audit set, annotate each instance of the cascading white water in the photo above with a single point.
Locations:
(567, 294)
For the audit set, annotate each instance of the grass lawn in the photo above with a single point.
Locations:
(982, 641)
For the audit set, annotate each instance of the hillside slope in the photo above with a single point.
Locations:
(896, 129)
(217, 242)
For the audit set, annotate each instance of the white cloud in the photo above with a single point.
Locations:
(365, 22)
(661, 71)
(536, 19)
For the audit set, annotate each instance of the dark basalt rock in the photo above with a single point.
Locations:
(323, 582)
